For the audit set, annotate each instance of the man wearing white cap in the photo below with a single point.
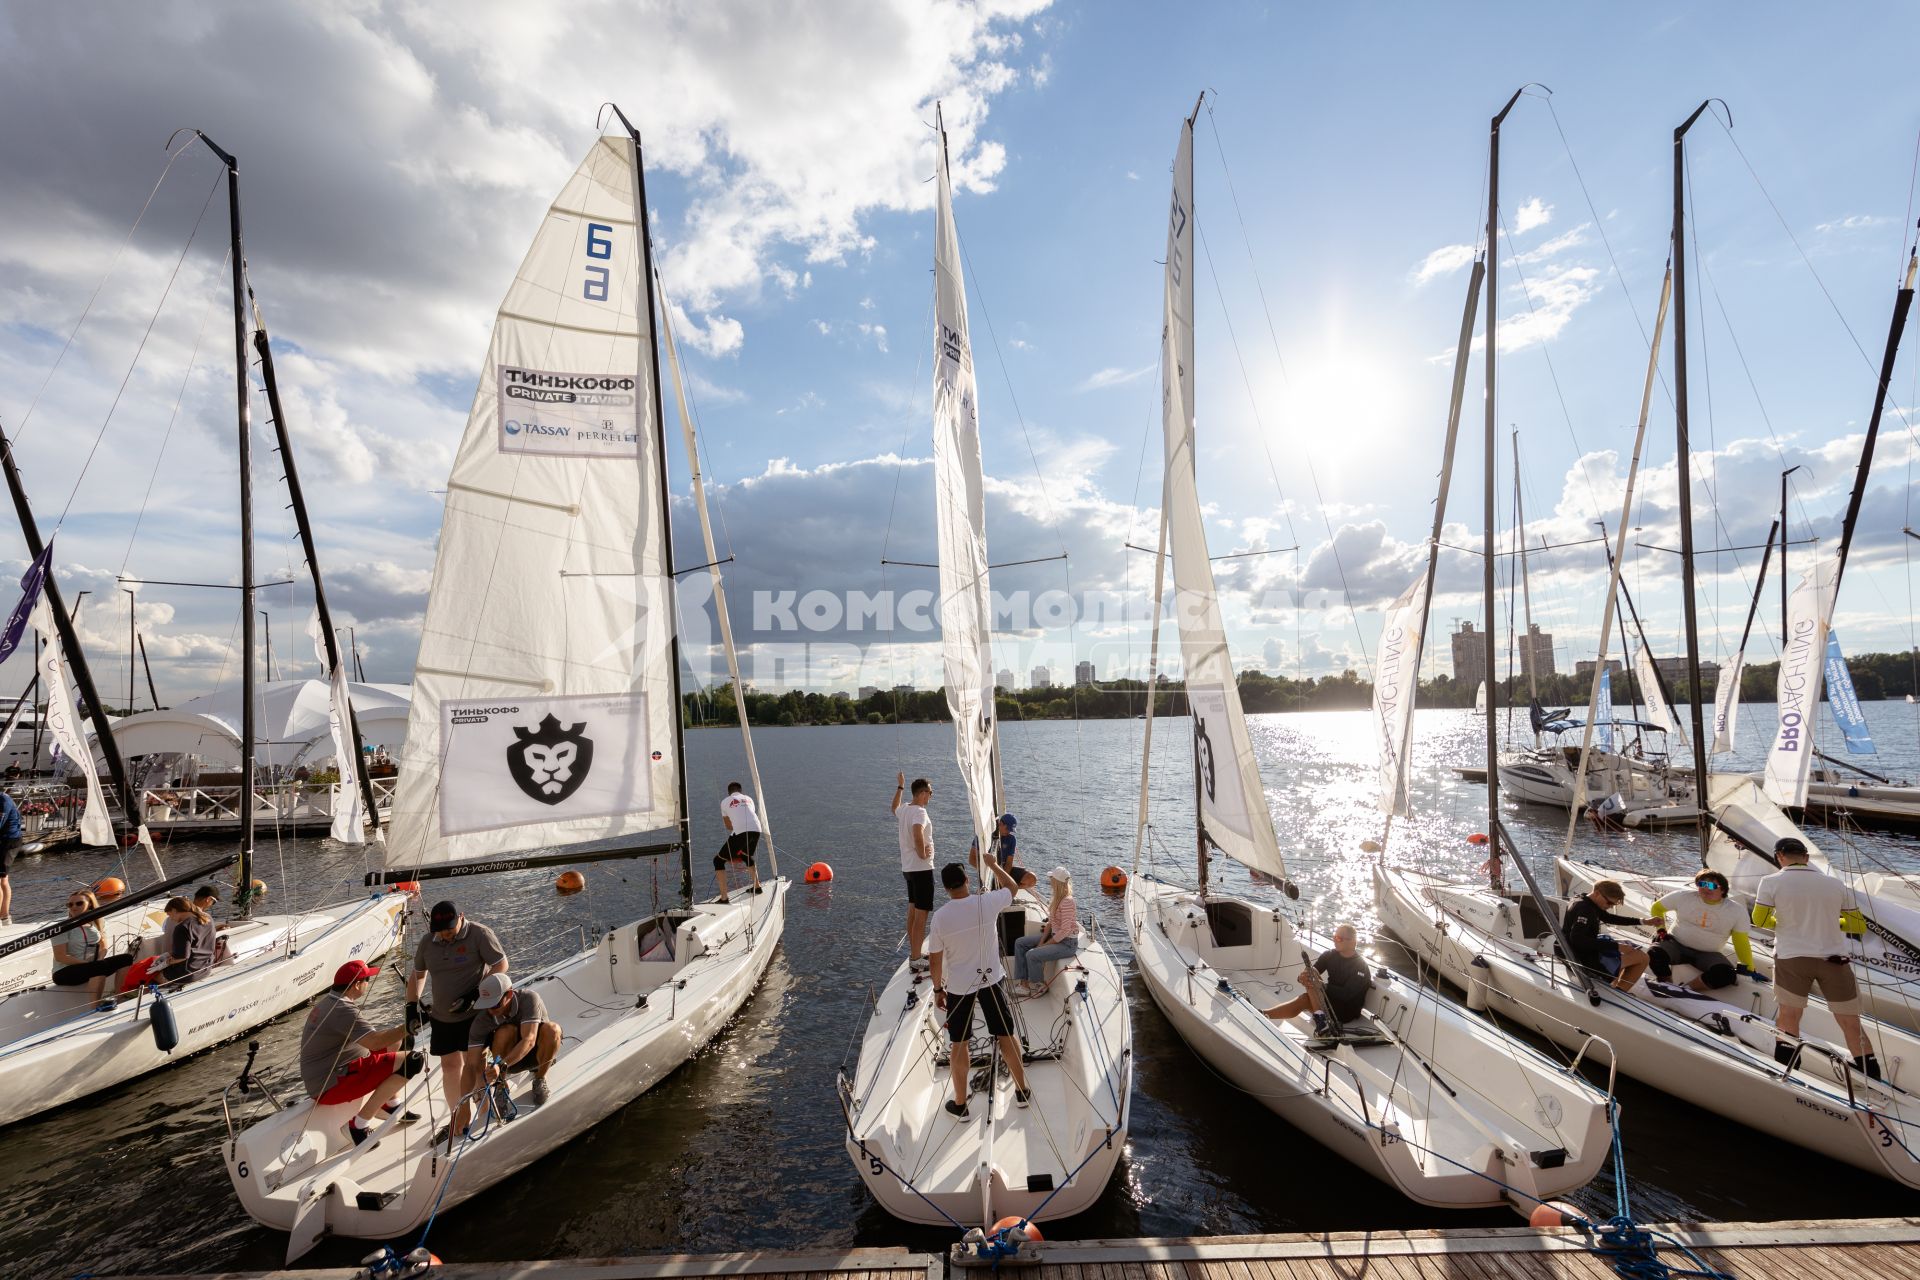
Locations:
(513, 1028)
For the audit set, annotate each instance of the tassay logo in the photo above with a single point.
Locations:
(513, 428)
(550, 763)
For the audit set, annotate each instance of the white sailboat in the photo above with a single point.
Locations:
(1214, 960)
(1054, 1157)
(56, 1044)
(545, 713)
(1504, 949)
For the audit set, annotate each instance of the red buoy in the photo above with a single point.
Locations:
(819, 873)
(1033, 1232)
(1478, 837)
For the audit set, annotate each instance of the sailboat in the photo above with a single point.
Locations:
(1214, 959)
(57, 1045)
(1506, 950)
(1053, 1158)
(546, 712)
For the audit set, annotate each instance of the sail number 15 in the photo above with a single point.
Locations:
(599, 245)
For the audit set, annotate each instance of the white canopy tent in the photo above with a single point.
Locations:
(290, 722)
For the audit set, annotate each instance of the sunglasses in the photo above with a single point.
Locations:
(77, 902)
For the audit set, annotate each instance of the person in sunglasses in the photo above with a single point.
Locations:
(1698, 922)
(79, 953)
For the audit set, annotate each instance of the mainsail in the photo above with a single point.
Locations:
(960, 507)
(1789, 759)
(1396, 681)
(1233, 806)
(544, 709)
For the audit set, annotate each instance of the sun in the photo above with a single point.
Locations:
(1342, 405)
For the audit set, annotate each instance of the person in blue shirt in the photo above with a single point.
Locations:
(10, 833)
(1006, 852)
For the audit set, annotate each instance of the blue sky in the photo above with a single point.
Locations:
(396, 161)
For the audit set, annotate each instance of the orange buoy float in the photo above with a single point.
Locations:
(1033, 1232)
(407, 886)
(819, 873)
(1478, 837)
(109, 886)
(1113, 880)
(569, 882)
(1371, 846)
(1552, 1214)
(258, 888)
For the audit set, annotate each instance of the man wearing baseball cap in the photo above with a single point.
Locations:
(1006, 851)
(513, 1027)
(457, 953)
(343, 1058)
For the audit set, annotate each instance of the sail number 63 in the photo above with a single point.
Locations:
(599, 245)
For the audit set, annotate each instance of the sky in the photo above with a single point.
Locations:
(396, 158)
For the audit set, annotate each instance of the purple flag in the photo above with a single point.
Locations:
(30, 584)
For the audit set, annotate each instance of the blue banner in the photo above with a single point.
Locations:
(30, 584)
(1603, 710)
(1846, 706)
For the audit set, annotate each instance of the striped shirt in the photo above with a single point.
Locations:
(1064, 920)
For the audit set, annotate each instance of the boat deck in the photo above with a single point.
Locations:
(1816, 1250)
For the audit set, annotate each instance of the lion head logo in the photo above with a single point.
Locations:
(550, 763)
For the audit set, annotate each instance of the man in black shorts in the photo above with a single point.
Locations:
(743, 836)
(1338, 978)
(916, 861)
(12, 830)
(963, 944)
(457, 953)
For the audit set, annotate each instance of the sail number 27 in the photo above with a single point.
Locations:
(599, 245)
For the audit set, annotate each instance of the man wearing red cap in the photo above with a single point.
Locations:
(343, 1058)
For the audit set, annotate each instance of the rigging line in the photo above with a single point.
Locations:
(1260, 428)
(1006, 376)
(135, 362)
(153, 476)
(20, 432)
(1811, 270)
(1526, 293)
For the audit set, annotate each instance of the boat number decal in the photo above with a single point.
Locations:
(241, 1170)
(873, 1163)
(599, 245)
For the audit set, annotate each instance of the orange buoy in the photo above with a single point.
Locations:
(258, 888)
(408, 886)
(570, 882)
(1113, 880)
(1371, 846)
(109, 886)
(1478, 837)
(1033, 1232)
(819, 873)
(1551, 1214)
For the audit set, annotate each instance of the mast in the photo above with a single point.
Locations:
(263, 346)
(666, 511)
(148, 668)
(1488, 549)
(1902, 303)
(1684, 464)
(1526, 590)
(69, 640)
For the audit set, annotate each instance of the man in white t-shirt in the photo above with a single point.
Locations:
(963, 943)
(916, 861)
(1811, 914)
(1699, 921)
(743, 836)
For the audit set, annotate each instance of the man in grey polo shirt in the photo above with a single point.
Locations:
(457, 953)
(513, 1027)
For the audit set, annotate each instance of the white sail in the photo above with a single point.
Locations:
(543, 709)
(1809, 613)
(63, 721)
(349, 810)
(960, 508)
(1658, 712)
(1396, 679)
(1233, 804)
(1480, 699)
(1726, 704)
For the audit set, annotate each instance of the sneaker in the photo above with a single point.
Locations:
(756, 888)
(541, 1091)
(358, 1133)
(1320, 1027)
(920, 964)
(1868, 1066)
(957, 1109)
(1021, 1097)
(1783, 1053)
(722, 899)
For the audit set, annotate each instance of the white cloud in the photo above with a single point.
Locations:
(1113, 377)
(1443, 261)
(1853, 222)
(1534, 213)
(1132, 176)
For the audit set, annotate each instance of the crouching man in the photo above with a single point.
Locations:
(342, 1056)
(512, 1031)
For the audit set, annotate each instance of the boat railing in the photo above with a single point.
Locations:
(246, 1082)
(1613, 1063)
(282, 802)
(1328, 1062)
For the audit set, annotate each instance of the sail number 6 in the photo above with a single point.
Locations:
(599, 245)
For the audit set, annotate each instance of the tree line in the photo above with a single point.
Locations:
(1875, 676)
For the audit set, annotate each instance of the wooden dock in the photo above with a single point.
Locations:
(1827, 1250)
